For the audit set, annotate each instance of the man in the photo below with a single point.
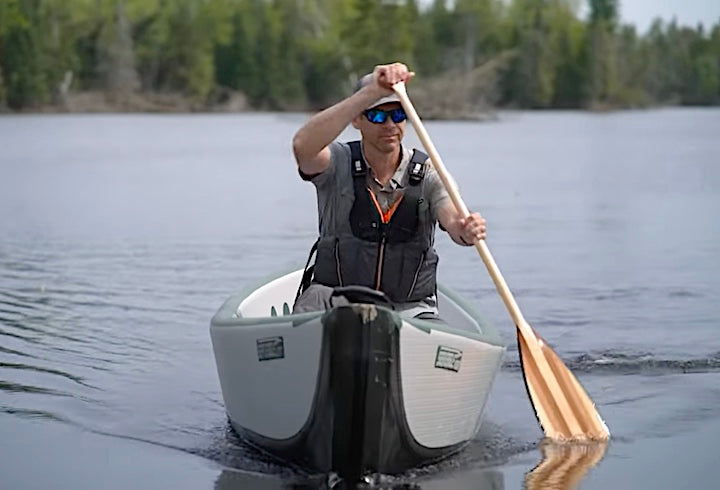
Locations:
(378, 203)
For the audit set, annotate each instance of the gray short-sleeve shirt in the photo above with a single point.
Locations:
(328, 182)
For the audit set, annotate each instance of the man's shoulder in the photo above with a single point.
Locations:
(340, 155)
(336, 170)
(340, 150)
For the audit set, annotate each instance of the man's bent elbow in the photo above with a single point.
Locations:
(298, 145)
(309, 160)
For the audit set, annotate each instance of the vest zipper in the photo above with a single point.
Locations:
(417, 273)
(337, 261)
(385, 218)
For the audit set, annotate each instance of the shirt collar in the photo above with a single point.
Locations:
(396, 180)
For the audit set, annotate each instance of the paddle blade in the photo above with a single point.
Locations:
(563, 408)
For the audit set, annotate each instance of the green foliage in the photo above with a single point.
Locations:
(604, 12)
(547, 36)
(571, 69)
(23, 60)
(306, 54)
(377, 31)
(235, 63)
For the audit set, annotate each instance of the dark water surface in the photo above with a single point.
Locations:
(120, 236)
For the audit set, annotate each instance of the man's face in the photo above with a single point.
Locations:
(386, 136)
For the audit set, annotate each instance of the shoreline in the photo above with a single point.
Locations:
(230, 102)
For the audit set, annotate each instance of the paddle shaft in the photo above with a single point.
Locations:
(480, 245)
(563, 408)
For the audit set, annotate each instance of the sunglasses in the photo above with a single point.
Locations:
(377, 116)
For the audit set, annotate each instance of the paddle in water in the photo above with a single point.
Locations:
(564, 410)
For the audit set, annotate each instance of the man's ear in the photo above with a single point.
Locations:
(356, 121)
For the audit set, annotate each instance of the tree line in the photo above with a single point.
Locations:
(306, 54)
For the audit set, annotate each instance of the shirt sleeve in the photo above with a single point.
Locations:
(439, 197)
(327, 177)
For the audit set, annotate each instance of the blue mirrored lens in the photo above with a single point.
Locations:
(398, 115)
(378, 116)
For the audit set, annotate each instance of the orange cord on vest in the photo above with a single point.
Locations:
(385, 217)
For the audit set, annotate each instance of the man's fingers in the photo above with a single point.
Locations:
(389, 75)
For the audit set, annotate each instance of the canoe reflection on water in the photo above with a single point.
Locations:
(485, 479)
(563, 466)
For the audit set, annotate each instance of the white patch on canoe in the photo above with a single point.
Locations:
(445, 407)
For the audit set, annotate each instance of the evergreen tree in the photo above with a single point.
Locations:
(117, 60)
(24, 79)
(603, 51)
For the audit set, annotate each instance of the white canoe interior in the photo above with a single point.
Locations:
(276, 298)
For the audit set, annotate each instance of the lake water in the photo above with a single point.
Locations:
(120, 236)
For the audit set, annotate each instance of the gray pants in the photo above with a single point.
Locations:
(318, 297)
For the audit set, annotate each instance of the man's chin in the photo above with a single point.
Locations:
(389, 144)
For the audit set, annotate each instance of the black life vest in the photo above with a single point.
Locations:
(390, 251)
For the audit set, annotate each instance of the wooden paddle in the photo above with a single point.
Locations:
(564, 410)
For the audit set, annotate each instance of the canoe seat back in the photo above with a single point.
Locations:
(272, 298)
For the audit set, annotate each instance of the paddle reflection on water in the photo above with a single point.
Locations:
(563, 466)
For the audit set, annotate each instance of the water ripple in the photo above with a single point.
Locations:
(23, 388)
(613, 362)
(32, 413)
(38, 369)
(15, 352)
(18, 336)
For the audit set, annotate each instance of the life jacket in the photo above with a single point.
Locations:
(389, 251)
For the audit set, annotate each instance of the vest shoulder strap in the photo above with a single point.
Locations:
(417, 167)
(357, 162)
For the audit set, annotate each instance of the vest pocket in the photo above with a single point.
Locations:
(327, 265)
(358, 261)
(408, 272)
(423, 279)
(415, 277)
